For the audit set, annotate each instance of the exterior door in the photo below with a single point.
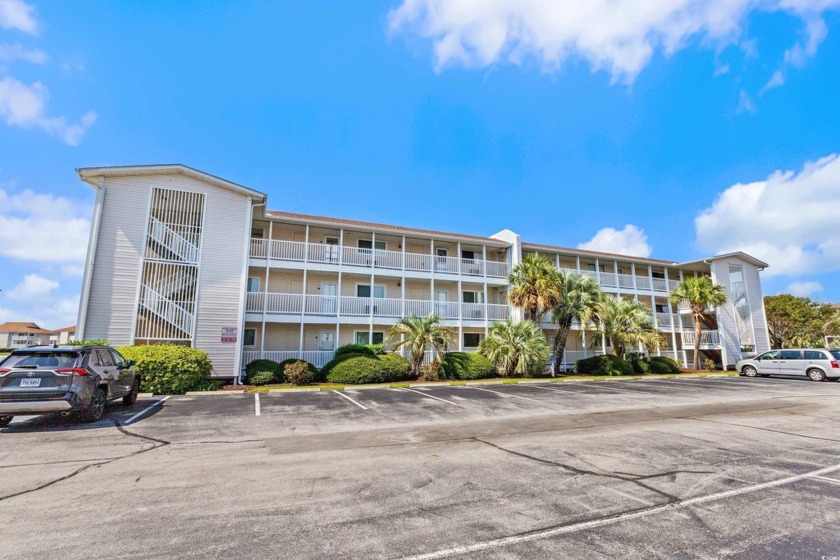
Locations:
(441, 300)
(326, 341)
(791, 362)
(125, 377)
(440, 261)
(331, 249)
(103, 363)
(329, 298)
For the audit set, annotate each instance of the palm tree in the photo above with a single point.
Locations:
(580, 294)
(700, 293)
(418, 333)
(625, 322)
(515, 346)
(535, 286)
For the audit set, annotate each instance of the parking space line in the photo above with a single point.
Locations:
(556, 390)
(145, 410)
(428, 396)
(827, 479)
(257, 403)
(504, 394)
(357, 403)
(460, 550)
(602, 383)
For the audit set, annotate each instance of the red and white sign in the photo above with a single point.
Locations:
(229, 334)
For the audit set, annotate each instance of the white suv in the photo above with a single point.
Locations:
(818, 364)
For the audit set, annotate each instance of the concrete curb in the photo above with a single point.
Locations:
(488, 382)
(296, 390)
(427, 384)
(202, 393)
(145, 395)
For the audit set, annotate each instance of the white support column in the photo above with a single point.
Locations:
(402, 282)
(633, 273)
(432, 293)
(460, 300)
(372, 284)
(674, 318)
(598, 271)
(577, 261)
(617, 280)
(265, 288)
(486, 298)
(338, 288)
(303, 295)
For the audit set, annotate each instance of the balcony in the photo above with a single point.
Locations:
(628, 281)
(708, 339)
(333, 306)
(296, 251)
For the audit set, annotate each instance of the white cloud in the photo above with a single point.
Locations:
(618, 36)
(797, 55)
(32, 287)
(17, 14)
(745, 103)
(43, 228)
(788, 220)
(12, 52)
(803, 289)
(26, 107)
(628, 241)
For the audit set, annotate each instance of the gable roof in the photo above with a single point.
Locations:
(91, 174)
(21, 327)
(66, 329)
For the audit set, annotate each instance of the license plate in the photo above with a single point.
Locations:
(30, 382)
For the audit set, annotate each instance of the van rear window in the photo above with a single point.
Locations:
(42, 360)
(836, 354)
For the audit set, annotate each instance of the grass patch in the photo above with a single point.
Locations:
(509, 381)
(401, 385)
(331, 387)
(457, 383)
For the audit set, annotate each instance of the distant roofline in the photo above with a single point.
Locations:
(304, 218)
(90, 174)
(737, 254)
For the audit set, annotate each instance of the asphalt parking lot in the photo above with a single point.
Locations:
(664, 468)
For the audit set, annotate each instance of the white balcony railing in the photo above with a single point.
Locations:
(664, 320)
(318, 358)
(297, 251)
(707, 338)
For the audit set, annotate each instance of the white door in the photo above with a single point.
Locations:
(329, 297)
(331, 249)
(441, 299)
(326, 341)
(440, 261)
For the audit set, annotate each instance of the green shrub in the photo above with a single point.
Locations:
(94, 342)
(265, 365)
(354, 349)
(466, 365)
(661, 364)
(312, 369)
(378, 349)
(209, 385)
(608, 364)
(300, 372)
(363, 368)
(640, 365)
(261, 377)
(169, 368)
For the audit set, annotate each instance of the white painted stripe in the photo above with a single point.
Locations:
(575, 527)
(257, 403)
(428, 396)
(145, 410)
(556, 390)
(357, 403)
(827, 479)
(505, 395)
(610, 386)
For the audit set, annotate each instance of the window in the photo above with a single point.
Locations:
(119, 361)
(662, 308)
(772, 355)
(363, 290)
(790, 355)
(363, 337)
(253, 284)
(814, 355)
(468, 254)
(257, 233)
(368, 244)
(658, 274)
(331, 240)
(471, 340)
(104, 358)
(473, 297)
(249, 337)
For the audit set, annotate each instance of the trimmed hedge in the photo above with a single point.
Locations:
(261, 377)
(258, 366)
(640, 365)
(466, 365)
(604, 365)
(169, 368)
(365, 368)
(661, 364)
(367, 349)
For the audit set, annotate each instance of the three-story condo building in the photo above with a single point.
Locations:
(180, 256)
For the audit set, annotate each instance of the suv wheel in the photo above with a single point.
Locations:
(5, 421)
(749, 371)
(96, 409)
(131, 397)
(816, 375)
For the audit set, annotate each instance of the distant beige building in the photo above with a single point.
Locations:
(65, 335)
(21, 335)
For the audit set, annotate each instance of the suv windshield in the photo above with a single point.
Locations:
(41, 360)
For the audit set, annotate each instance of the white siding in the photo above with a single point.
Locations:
(726, 315)
(113, 295)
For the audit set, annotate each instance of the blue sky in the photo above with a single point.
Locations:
(677, 128)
